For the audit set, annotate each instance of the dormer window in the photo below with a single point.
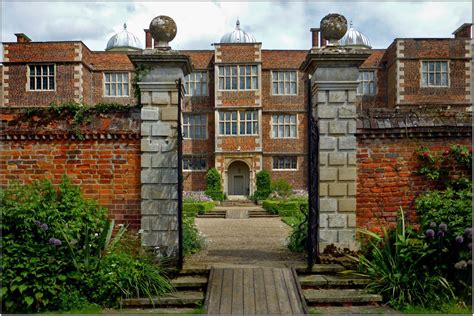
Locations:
(366, 83)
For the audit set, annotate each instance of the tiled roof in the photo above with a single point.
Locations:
(374, 123)
(111, 61)
(201, 59)
(374, 59)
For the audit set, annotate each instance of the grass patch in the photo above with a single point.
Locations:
(290, 220)
(447, 308)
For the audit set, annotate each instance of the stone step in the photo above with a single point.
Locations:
(176, 299)
(154, 311)
(262, 215)
(329, 281)
(340, 296)
(194, 270)
(212, 216)
(189, 282)
(320, 269)
(354, 309)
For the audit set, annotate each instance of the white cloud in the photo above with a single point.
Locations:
(278, 25)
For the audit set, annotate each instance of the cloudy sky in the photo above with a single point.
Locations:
(283, 24)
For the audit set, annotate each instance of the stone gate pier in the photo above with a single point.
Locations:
(334, 73)
(159, 68)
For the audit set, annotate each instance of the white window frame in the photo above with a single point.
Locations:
(283, 79)
(285, 124)
(283, 158)
(225, 117)
(248, 119)
(192, 83)
(361, 88)
(187, 126)
(195, 158)
(435, 71)
(116, 83)
(41, 75)
(236, 74)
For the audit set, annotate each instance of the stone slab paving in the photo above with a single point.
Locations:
(348, 310)
(254, 242)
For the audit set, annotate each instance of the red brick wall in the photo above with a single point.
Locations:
(297, 178)
(387, 179)
(19, 96)
(41, 52)
(238, 53)
(106, 170)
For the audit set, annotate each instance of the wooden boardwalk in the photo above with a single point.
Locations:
(254, 291)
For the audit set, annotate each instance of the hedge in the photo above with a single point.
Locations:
(195, 208)
(284, 208)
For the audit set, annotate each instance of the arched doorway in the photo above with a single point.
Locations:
(238, 183)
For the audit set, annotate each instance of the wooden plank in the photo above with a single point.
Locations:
(237, 292)
(300, 291)
(226, 292)
(292, 292)
(282, 292)
(248, 292)
(214, 291)
(259, 289)
(272, 299)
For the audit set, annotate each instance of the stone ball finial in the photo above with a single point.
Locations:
(333, 27)
(163, 30)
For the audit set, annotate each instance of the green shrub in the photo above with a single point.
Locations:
(282, 188)
(400, 267)
(192, 240)
(214, 190)
(263, 184)
(284, 208)
(197, 208)
(299, 236)
(55, 242)
(453, 207)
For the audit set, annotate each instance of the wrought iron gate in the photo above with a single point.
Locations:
(313, 185)
(180, 87)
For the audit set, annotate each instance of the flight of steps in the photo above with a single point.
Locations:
(253, 210)
(190, 290)
(327, 290)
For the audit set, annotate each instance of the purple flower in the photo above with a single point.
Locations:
(459, 239)
(55, 241)
(433, 225)
(44, 226)
(440, 233)
(443, 227)
(37, 223)
(468, 233)
(429, 233)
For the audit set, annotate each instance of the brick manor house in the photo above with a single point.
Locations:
(245, 107)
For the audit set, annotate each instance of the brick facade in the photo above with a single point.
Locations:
(387, 176)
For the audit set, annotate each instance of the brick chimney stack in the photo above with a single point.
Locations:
(148, 39)
(22, 38)
(464, 31)
(315, 35)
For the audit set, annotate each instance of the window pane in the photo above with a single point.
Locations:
(221, 128)
(444, 66)
(293, 119)
(425, 67)
(125, 89)
(234, 128)
(234, 115)
(275, 88)
(45, 83)
(32, 70)
(444, 79)
(107, 89)
(293, 76)
(227, 128)
(119, 92)
(242, 128)
(221, 83)
(247, 86)
(32, 83)
(113, 90)
(234, 84)
(38, 83)
(293, 131)
(431, 65)
(293, 88)
(275, 76)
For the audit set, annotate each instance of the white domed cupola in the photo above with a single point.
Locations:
(238, 36)
(124, 41)
(355, 39)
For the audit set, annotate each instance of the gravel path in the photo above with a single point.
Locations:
(256, 242)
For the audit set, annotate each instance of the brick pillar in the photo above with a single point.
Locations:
(159, 158)
(334, 74)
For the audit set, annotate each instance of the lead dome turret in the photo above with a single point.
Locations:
(124, 41)
(238, 36)
(355, 39)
